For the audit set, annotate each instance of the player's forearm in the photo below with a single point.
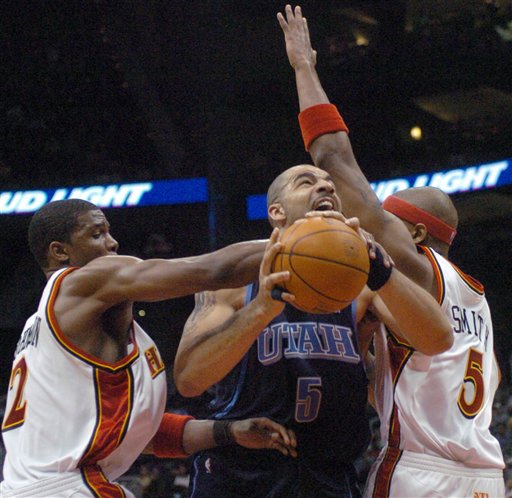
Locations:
(309, 88)
(198, 436)
(180, 436)
(419, 317)
(210, 356)
(133, 279)
(238, 264)
(332, 151)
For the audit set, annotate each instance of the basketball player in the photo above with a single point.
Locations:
(88, 386)
(435, 411)
(266, 357)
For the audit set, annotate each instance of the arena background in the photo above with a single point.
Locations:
(98, 92)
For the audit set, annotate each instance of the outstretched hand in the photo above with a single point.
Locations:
(296, 36)
(269, 281)
(263, 433)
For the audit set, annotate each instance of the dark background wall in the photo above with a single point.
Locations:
(99, 91)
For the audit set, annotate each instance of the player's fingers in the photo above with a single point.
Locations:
(304, 28)
(293, 438)
(272, 249)
(298, 14)
(286, 450)
(274, 236)
(292, 451)
(277, 431)
(370, 243)
(326, 214)
(287, 297)
(387, 260)
(270, 242)
(353, 223)
(289, 13)
(275, 445)
(268, 258)
(275, 278)
(282, 22)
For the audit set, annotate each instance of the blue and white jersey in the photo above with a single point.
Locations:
(304, 371)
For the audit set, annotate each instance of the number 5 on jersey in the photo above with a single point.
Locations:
(475, 376)
(309, 397)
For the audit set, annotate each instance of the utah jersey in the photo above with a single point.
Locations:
(69, 412)
(441, 405)
(305, 372)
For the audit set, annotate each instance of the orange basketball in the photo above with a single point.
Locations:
(328, 264)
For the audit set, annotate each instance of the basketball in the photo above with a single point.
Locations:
(328, 264)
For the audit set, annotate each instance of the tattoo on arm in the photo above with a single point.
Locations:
(204, 302)
(213, 332)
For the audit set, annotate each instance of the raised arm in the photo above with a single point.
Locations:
(332, 151)
(221, 329)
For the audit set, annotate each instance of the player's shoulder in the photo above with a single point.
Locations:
(106, 264)
(96, 273)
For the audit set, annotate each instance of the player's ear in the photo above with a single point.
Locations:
(419, 233)
(58, 251)
(276, 213)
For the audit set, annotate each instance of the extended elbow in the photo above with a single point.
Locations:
(446, 342)
(440, 343)
(186, 384)
(188, 389)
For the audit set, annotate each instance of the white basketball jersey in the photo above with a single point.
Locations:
(69, 412)
(442, 405)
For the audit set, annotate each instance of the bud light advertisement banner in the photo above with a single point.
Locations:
(453, 181)
(157, 193)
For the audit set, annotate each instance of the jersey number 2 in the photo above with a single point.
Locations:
(474, 375)
(309, 397)
(16, 415)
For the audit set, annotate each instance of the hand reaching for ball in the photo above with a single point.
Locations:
(270, 282)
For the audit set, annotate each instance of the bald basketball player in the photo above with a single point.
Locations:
(265, 357)
(435, 411)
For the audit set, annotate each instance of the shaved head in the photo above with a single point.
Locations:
(280, 181)
(298, 190)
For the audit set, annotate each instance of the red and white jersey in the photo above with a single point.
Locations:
(70, 412)
(442, 405)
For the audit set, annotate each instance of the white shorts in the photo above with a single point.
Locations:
(417, 475)
(68, 485)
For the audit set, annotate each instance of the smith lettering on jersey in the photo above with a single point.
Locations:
(476, 325)
(435, 410)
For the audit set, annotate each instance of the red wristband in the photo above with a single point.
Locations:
(318, 120)
(168, 440)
